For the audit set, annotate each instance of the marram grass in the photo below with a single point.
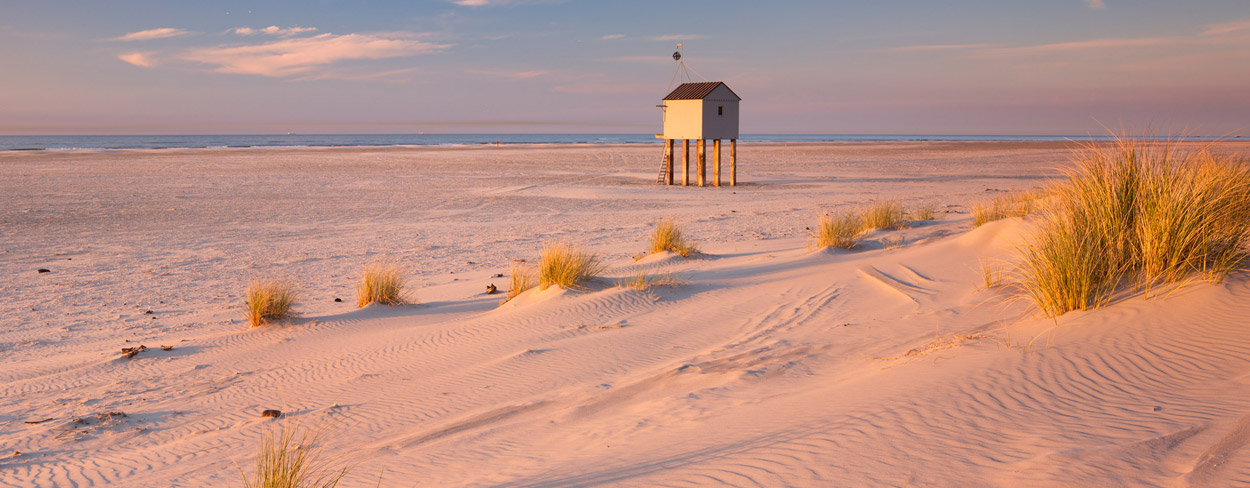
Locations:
(926, 211)
(519, 281)
(289, 458)
(839, 230)
(1012, 204)
(269, 300)
(667, 236)
(566, 266)
(644, 280)
(886, 214)
(381, 282)
(1138, 213)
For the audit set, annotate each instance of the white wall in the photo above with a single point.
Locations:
(682, 119)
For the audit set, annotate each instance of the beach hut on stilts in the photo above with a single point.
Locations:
(698, 111)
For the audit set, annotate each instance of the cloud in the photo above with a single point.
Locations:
(511, 75)
(301, 55)
(272, 30)
(138, 59)
(1096, 4)
(938, 47)
(613, 36)
(1083, 46)
(147, 35)
(391, 76)
(605, 88)
(1226, 28)
(677, 37)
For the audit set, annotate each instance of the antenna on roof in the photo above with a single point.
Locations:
(683, 72)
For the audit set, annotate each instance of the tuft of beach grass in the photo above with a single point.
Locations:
(667, 236)
(566, 266)
(841, 229)
(382, 282)
(269, 300)
(644, 280)
(291, 458)
(520, 280)
(885, 214)
(991, 274)
(1136, 212)
(1012, 204)
(926, 211)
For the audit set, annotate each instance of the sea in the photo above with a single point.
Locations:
(104, 142)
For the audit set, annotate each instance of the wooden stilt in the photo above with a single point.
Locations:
(685, 157)
(716, 162)
(733, 162)
(668, 158)
(702, 162)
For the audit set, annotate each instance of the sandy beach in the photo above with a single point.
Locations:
(774, 364)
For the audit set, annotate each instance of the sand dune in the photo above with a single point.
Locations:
(774, 365)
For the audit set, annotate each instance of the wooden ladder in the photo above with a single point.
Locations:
(666, 162)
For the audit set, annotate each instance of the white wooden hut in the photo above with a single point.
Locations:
(700, 111)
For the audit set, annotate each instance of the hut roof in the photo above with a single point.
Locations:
(697, 91)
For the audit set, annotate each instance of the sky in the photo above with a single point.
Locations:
(1053, 67)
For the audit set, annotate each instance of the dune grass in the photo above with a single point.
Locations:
(269, 300)
(667, 236)
(290, 458)
(382, 282)
(566, 266)
(1138, 213)
(841, 229)
(520, 280)
(1011, 204)
(885, 214)
(926, 211)
(644, 280)
(991, 274)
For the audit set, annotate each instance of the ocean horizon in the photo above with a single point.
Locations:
(195, 141)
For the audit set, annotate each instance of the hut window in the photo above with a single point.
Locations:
(720, 110)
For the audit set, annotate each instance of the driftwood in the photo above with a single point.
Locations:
(131, 352)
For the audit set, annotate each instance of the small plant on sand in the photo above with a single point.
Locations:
(886, 214)
(566, 266)
(1012, 204)
(644, 280)
(269, 300)
(381, 282)
(991, 274)
(519, 281)
(926, 211)
(839, 230)
(893, 242)
(1140, 211)
(667, 236)
(290, 459)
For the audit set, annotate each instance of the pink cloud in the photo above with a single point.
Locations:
(604, 88)
(147, 35)
(511, 75)
(1083, 46)
(297, 56)
(138, 59)
(938, 47)
(1226, 28)
(273, 30)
